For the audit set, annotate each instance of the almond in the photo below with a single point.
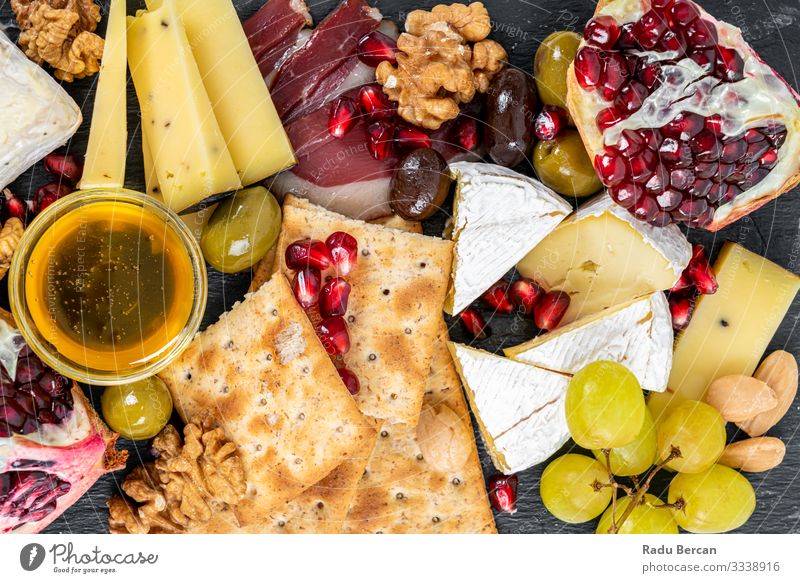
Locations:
(443, 438)
(739, 397)
(757, 454)
(779, 371)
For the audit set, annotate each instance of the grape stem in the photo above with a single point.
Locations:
(636, 494)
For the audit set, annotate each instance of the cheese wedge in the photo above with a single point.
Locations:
(602, 257)
(189, 152)
(519, 407)
(731, 329)
(637, 334)
(498, 216)
(108, 137)
(242, 105)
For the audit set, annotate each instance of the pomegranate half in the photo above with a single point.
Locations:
(53, 446)
(685, 123)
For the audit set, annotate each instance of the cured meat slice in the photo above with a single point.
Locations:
(274, 29)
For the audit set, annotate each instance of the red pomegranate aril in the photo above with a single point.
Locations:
(732, 151)
(48, 194)
(669, 200)
(588, 67)
(412, 138)
(306, 286)
(730, 65)
(503, 493)
(626, 194)
(700, 34)
(645, 209)
(467, 133)
(642, 165)
(690, 209)
(308, 253)
(615, 73)
(700, 188)
(684, 282)
(683, 126)
(632, 63)
(333, 298)
(601, 31)
(380, 136)
(374, 102)
(610, 167)
(350, 380)
(769, 159)
(753, 135)
(649, 29)
(343, 249)
(755, 151)
(626, 39)
(706, 169)
(549, 311)
(716, 193)
(652, 138)
(496, 297)
(731, 192)
(672, 42)
(713, 124)
(525, 293)
(15, 207)
(631, 97)
(630, 143)
(475, 324)
(681, 178)
(608, 117)
(755, 177)
(334, 336)
(343, 117)
(376, 47)
(682, 12)
(681, 308)
(658, 181)
(675, 153)
(650, 75)
(701, 273)
(69, 167)
(705, 146)
(550, 121)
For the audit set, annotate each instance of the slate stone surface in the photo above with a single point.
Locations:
(773, 29)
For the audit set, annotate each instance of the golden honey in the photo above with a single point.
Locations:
(109, 286)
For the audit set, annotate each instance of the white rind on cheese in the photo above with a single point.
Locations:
(637, 335)
(519, 408)
(36, 114)
(499, 215)
(668, 241)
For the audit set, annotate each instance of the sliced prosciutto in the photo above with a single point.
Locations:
(274, 30)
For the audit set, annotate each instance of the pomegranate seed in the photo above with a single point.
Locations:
(412, 138)
(730, 65)
(526, 293)
(705, 146)
(374, 102)
(632, 63)
(630, 143)
(350, 380)
(308, 253)
(661, 4)
(645, 209)
(700, 188)
(704, 219)
(701, 273)
(503, 493)
(380, 135)
(376, 47)
(690, 209)
(343, 117)
(700, 34)
(306, 285)
(672, 42)
(343, 249)
(706, 169)
(753, 135)
(755, 151)
(650, 76)
(588, 67)
(649, 29)
(467, 133)
(682, 12)
(681, 178)
(608, 117)
(626, 38)
(684, 282)
(683, 126)
(658, 181)
(675, 153)
(550, 309)
(680, 308)
(333, 334)
(713, 124)
(769, 159)
(716, 192)
(705, 58)
(15, 207)
(660, 219)
(615, 73)
(610, 167)
(69, 167)
(642, 165)
(631, 97)
(626, 194)
(333, 297)
(669, 199)
(652, 138)
(601, 31)
(475, 324)
(732, 151)
(48, 194)
(496, 297)
(550, 121)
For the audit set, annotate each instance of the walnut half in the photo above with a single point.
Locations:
(188, 482)
(10, 235)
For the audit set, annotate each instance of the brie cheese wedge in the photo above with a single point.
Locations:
(637, 334)
(519, 408)
(498, 216)
(36, 114)
(603, 257)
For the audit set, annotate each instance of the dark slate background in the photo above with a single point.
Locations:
(773, 29)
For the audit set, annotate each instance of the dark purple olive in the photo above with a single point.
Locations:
(511, 105)
(420, 184)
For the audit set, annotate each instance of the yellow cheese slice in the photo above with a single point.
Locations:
(731, 329)
(242, 105)
(108, 136)
(189, 152)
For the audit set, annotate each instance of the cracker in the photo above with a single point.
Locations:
(395, 306)
(261, 372)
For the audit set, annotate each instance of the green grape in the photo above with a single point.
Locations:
(716, 500)
(636, 457)
(569, 488)
(646, 518)
(698, 431)
(605, 406)
(137, 410)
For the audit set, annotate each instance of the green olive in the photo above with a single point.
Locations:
(137, 410)
(553, 58)
(241, 230)
(563, 165)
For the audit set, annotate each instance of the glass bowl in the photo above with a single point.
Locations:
(180, 330)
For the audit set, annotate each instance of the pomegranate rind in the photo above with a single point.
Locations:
(584, 106)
